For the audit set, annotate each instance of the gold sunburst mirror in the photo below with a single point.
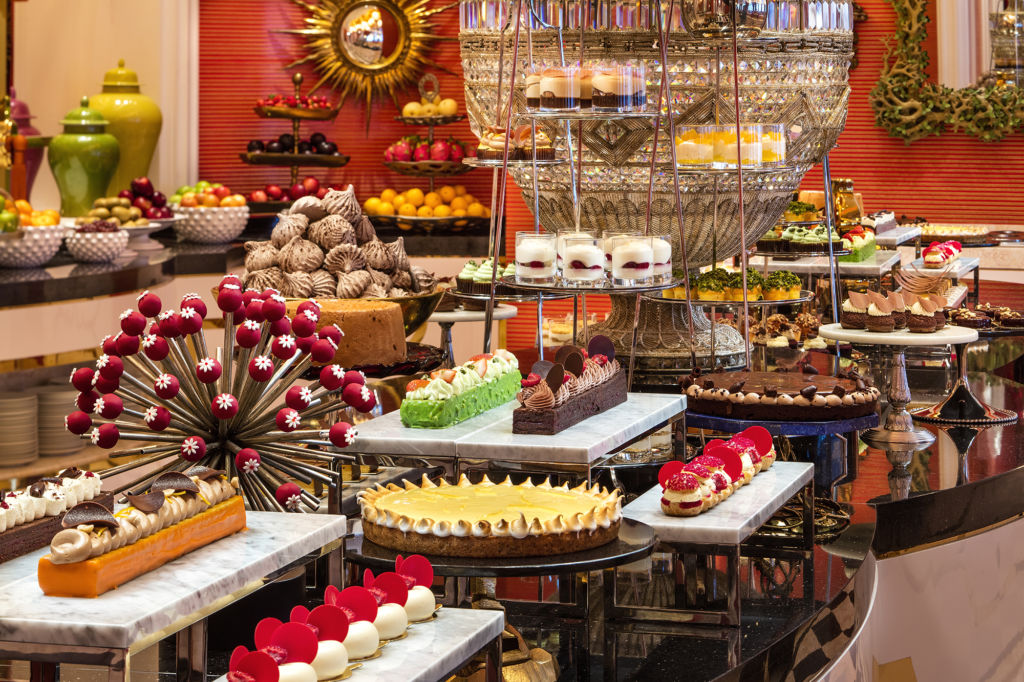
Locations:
(367, 48)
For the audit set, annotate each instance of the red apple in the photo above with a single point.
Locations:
(321, 193)
(158, 199)
(221, 192)
(258, 195)
(274, 192)
(297, 191)
(311, 184)
(153, 213)
(125, 194)
(142, 187)
(142, 203)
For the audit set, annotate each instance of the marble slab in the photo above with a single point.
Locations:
(162, 597)
(386, 435)
(732, 521)
(904, 337)
(431, 651)
(896, 236)
(580, 444)
(961, 267)
(501, 312)
(880, 263)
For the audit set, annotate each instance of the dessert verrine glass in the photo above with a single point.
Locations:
(609, 240)
(661, 246)
(633, 261)
(695, 146)
(773, 144)
(532, 89)
(535, 257)
(560, 243)
(620, 87)
(582, 262)
(586, 88)
(560, 89)
(725, 155)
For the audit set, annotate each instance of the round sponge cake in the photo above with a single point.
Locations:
(374, 331)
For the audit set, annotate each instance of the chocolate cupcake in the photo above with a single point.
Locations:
(855, 311)
(899, 315)
(879, 318)
(921, 319)
(940, 310)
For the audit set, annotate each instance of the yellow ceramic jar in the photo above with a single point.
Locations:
(134, 119)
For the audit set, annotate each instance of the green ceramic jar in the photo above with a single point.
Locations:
(83, 159)
(134, 119)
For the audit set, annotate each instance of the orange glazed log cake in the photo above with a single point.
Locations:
(98, 551)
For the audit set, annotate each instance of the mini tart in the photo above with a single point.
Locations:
(490, 520)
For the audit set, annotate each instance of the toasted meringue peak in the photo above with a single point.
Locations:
(390, 520)
(424, 526)
(486, 481)
(425, 482)
(507, 482)
(370, 514)
(405, 524)
(555, 525)
(595, 489)
(464, 481)
(519, 528)
(564, 486)
(409, 485)
(481, 529)
(581, 488)
(575, 523)
(443, 529)
(442, 483)
(546, 483)
(588, 520)
(500, 528)
(392, 487)
(462, 528)
(536, 527)
(528, 483)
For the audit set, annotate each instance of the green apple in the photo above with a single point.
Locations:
(184, 189)
(202, 186)
(175, 198)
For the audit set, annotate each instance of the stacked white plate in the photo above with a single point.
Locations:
(54, 403)
(19, 439)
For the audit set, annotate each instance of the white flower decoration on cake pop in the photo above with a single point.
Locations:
(126, 314)
(306, 394)
(102, 360)
(252, 325)
(94, 437)
(278, 297)
(229, 285)
(293, 502)
(191, 295)
(165, 315)
(150, 415)
(263, 362)
(311, 314)
(350, 436)
(188, 311)
(148, 340)
(338, 371)
(251, 465)
(97, 406)
(190, 446)
(293, 420)
(207, 364)
(224, 401)
(286, 341)
(163, 381)
(142, 295)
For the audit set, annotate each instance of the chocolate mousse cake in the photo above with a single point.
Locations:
(577, 386)
(618, 89)
(782, 396)
(560, 89)
(1011, 319)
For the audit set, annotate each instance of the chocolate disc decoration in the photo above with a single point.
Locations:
(573, 362)
(89, 514)
(148, 502)
(555, 377)
(70, 472)
(174, 480)
(204, 473)
(563, 351)
(541, 368)
(37, 489)
(601, 345)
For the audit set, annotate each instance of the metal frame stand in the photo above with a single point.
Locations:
(961, 406)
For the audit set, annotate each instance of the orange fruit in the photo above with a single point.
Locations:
(442, 211)
(469, 199)
(425, 212)
(415, 196)
(447, 193)
(407, 209)
(476, 209)
(460, 190)
(385, 208)
(459, 204)
(209, 200)
(372, 206)
(388, 195)
(432, 199)
(23, 206)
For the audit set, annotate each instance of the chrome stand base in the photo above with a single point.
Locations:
(899, 429)
(961, 406)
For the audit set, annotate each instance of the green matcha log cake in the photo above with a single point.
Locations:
(449, 396)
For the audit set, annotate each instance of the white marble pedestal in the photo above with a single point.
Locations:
(174, 599)
(697, 540)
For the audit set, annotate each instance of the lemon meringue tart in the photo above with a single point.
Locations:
(489, 519)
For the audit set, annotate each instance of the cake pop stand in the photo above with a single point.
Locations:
(899, 426)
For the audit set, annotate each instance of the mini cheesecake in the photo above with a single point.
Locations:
(535, 259)
(560, 89)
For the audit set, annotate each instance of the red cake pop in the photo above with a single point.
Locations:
(332, 377)
(288, 496)
(155, 347)
(166, 386)
(261, 368)
(247, 460)
(322, 350)
(332, 332)
(304, 323)
(269, 292)
(274, 308)
(280, 327)
(195, 303)
(208, 370)
(254, 309)
(133, 322)
(248, 334)
(109, 345)
(224, 406)
(287, 419)
(342, 434)
(157, 418)
(229, 298)
(230, 279)
(193, 448)
(354, 376)
(311, 304)
(283, 347)
(249, 295)
(86, 401)
(109, 406)
(305, 343)
(78, 422)
(105, 385)
(81, 378)
(298, 397)
(170, 324)
(359, 397)
(127, 344)
(191, 320)
(110, 366)
(149, 304)
(105, 436)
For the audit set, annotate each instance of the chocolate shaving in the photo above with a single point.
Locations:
(809, 391)
(89, 514)
(541, 368)
(564, 351)
(51, 479)
(737, 387)
(204, 473)
(70, 472)
(37, 489)
(708, 384)
(839, 391)
(148, 502)
(174, 480)
(771, 391)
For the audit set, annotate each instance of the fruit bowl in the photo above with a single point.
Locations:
(438, 120)
(431, 225)
(30, 247)
(206, 225)
(428, 169)
(96, 247)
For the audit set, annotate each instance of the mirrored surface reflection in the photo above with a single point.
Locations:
(369, 34)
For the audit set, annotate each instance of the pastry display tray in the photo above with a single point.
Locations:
(731, 521)
(635, 541)
(489, 436)
(959, 268)
(781, 428)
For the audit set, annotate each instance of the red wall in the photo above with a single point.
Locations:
(948, 178)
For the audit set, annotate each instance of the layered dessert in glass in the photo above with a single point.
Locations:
(633, 261)
(535, 257)
(560, 89)
(582, 261)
